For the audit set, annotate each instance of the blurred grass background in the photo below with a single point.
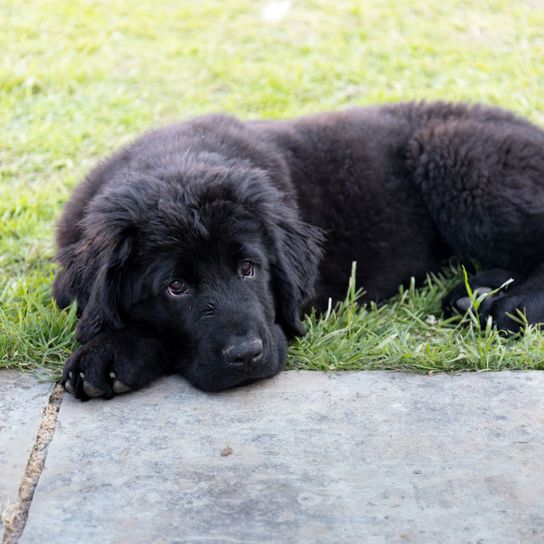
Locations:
(79, 78)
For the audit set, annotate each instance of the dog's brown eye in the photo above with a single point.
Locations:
(176, 288)
(247, 269)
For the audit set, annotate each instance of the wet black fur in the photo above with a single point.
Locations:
(397, 188)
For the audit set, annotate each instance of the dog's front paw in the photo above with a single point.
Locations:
(112, 363)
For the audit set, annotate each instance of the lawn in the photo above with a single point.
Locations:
(79, 78)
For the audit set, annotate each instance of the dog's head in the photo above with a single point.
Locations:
(212, 260)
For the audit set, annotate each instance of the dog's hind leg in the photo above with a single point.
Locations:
(483, 185)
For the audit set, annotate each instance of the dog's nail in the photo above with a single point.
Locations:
(112, 375)
(71, 374)
(119, 387)
(91, 390)
(82, 375)
(463, 303)
(68, 386)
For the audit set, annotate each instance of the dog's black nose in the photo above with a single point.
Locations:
(244, 353)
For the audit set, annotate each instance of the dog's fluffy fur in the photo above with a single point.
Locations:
(254, 222)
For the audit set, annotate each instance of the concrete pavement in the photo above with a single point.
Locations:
(22, 401)
(306, 457)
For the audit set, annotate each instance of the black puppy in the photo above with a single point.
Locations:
(197, 248)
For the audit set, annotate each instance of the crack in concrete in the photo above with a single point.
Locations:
(15, 516)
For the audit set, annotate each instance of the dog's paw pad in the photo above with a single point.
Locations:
(119, 387)
(464, 304)
(92, 391)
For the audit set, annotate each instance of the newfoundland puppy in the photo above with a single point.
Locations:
(197, 248)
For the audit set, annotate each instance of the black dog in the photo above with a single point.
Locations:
(197, 248)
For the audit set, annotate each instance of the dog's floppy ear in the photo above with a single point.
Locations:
(101, 310)
(93, 267)
(294, 270)
(91, 274)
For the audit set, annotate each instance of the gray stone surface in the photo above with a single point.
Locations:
(307, 457)
(22, 400)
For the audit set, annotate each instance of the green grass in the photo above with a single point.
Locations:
(80, 78)
(409, 333)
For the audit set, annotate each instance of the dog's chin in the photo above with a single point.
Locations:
(208, 378)
(226, 382)
(215, 376)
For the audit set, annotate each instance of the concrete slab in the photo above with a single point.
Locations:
(22, 400)
(306, 457)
